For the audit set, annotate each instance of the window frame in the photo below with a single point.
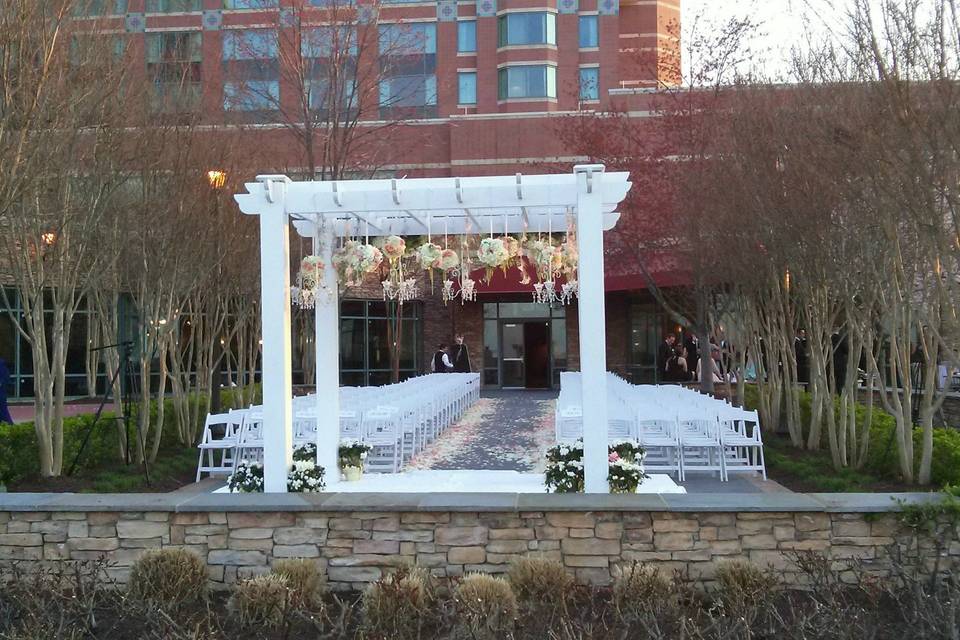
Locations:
(549, 29)
(592, 70)
(595, 31)
(549, 82)
(461, 75)
(472, 26)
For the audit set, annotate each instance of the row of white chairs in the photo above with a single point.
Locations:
(396, 420)
(681, 429)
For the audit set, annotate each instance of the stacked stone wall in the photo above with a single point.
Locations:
(359, 546)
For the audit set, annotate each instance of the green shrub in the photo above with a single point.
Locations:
(486, 606)
(262, 600)
(541, 582)
(640, 589)
(305, 582)
(167, 578)
(742, 585)
(399, 605)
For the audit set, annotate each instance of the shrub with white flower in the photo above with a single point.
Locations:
(564, 472)
(304, 476)
(247, 477)
(353, 453)
(625, 466)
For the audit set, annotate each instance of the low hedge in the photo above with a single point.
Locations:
(883, 453)
(19, 455)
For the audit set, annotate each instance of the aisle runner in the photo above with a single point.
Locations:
(495, 433)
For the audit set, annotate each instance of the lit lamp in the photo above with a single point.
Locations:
(48, 238)
(217, 178)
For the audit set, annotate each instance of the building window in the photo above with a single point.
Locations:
(173, 6)
(367, 329)
(528, 81)
(467, 82)
(537, 27)
(251, 4)
(330, 65)
(92, 8)
(408, 62)
(174, 64)
(251, 71)
(250, 44)
(467, 36)
(590, 83)
(589, 33)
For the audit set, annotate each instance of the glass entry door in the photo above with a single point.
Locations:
(525, 346)
(513, 372)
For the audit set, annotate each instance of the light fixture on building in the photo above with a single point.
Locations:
(49, 238)
(217, 178)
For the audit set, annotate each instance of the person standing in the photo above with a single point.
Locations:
(664, 353)
(4, 380)
(441, 360)
(461, 356)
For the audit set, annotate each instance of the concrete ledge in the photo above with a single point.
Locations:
(462, 502)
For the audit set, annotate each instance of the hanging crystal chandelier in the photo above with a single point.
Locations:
(544, 292)
(568, 291)
(401, 291)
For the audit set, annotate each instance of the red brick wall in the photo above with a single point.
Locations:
(617, 323)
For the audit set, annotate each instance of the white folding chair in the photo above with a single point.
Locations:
(215, 440)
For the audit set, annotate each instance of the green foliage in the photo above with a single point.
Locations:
(168, 578)
(924, 517)
(882, 456)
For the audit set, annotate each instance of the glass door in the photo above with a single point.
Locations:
(513, 372)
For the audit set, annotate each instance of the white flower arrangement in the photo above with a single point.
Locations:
(564, 471)
(492, 254)
(311, 272)
(448, 260)
(354, 260)
(304, 476)
(393, 248)
(428, 255)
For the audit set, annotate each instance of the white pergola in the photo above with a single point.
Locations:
(501, 204)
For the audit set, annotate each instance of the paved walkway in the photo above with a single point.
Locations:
(510, 430)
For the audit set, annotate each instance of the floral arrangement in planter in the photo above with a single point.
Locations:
(354, 260)
(564, 472)
(304, 476)
(352, 454)
(626, 466)
(492, 254)
(247, 477)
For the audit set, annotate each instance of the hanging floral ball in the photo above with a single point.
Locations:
(428, 254)
(368, 258)
(513, 246)
(311, 272)
(448, 260)
(492, 253)
(394, 247)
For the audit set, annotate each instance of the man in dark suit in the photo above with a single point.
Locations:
(664, 353)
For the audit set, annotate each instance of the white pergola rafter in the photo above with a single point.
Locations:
(480, 205)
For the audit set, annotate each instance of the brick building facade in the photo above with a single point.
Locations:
(493, 81)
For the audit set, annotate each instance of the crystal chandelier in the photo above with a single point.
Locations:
(401, 291)
(544, 292)
(467, 291)
(568, 291)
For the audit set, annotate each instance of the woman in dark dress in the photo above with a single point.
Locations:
(461, 357)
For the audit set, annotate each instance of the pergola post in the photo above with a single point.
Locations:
(276, 353)
(593, 343)
(326, 340)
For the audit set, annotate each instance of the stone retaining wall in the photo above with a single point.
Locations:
(359, 538)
